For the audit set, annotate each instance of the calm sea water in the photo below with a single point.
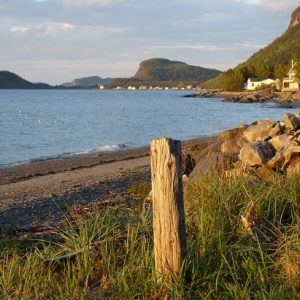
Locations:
(39, 124)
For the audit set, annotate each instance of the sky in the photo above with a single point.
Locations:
(55, 41)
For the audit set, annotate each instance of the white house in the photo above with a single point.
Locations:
(254, 83)
(291, 83)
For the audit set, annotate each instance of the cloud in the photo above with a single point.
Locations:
(211, 47)
(88, 2)
(54, 27)
(19, 29)
(280, 4)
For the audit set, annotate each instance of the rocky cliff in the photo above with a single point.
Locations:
(160, 70)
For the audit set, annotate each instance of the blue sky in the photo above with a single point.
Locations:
(58, 40)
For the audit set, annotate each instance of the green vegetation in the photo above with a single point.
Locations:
(163, 70)
(224, 260)
(9, 80)
(272, 61)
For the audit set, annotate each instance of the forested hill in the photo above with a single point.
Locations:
(272, 61)
(9, 80)
(87, 82)
(162, 70)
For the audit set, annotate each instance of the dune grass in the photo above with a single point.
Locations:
(225, 261)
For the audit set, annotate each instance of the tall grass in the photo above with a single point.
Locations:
(116, 261)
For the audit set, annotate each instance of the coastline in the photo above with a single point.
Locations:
(281, 98)
(40, 194)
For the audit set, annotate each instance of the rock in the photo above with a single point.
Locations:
(215, 163)
(290, 153)
(230, 147)
(249, 99)
(265, 122)
(188, 164)
(256, 154)
(296, 97)
(294, 168)
(297, 114)
(235, 133)
(277, 161)
(266, 174)
(291, 121)
(285, 157)
(280, 142)
(259, 132)
(213, 147)
(267, 93)
(277, 129)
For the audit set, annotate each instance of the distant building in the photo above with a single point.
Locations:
(254, 83)
(143, 87)
(132, 88)
(119, 88)
(189, 87)
(291, 83)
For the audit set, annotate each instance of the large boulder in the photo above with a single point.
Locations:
(290, 153)
(261, 131)
(291, 121)
(230, 147)
(214, 146)
(256, 154)
(233, 134)
(277, 161)
(249, 99)
(267, 93)
(267, 121)
(283, 158)
(280, 142)
(214, 163)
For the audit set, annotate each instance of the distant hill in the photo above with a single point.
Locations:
(9, 80)
(162, 70)
(272, 61)
(86, 82)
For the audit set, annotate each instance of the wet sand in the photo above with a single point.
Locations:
(40, 194)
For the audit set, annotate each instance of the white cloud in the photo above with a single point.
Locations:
(19, 29)
(211, 47)
(88, 2)
(280, 4)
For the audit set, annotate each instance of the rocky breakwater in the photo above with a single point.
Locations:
(265, 147)
(282, 98)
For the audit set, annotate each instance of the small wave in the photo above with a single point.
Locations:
(106, 148)
(112, 147)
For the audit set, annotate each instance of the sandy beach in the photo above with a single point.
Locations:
(41, 194)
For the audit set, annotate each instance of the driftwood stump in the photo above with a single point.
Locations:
(168, 208)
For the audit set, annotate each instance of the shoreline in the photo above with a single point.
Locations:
(42, 194)
(27, 170)
(261, 96)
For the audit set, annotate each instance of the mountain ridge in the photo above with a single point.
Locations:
(10, 80)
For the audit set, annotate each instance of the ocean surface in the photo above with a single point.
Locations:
(42, 124)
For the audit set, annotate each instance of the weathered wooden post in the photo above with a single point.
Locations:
(168, 208)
